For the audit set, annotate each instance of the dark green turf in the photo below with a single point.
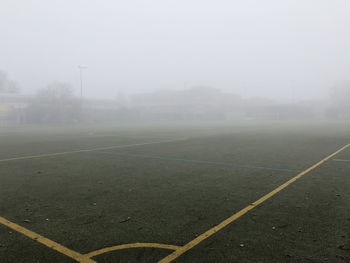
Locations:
(81, 200)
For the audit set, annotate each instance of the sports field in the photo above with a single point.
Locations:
(245, 192)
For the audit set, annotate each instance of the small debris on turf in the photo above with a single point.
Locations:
(337, 194)
(125, 220)
(325, 259)
(341, 257)
(342, 247)
(27, 221)
(241, 245)
(47, 219)
(300, 230)
(273, 228)
(94, 204)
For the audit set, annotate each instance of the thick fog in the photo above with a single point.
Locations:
(287, 50)
(68, 61)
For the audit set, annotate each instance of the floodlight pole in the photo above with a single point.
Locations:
(81, 79)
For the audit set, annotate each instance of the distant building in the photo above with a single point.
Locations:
(12, 108)
(197, 103)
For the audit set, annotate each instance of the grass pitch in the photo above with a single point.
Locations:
(170, 185)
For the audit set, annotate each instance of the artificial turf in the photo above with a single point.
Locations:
(91, 200)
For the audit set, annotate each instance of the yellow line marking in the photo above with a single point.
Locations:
(341, 160)
(47, 242)
(86, 150)
(178, 252)
(133, 245)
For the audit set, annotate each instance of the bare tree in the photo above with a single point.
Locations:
(339, 99)
(7, 85)
(55, 103)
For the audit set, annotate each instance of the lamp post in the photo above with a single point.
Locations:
(81, 68)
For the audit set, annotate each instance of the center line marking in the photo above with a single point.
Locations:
(84, 150)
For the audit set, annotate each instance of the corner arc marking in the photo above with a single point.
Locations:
(131, 245)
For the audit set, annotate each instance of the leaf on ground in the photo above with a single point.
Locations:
(125, 220)
(341, 257)
(342, 247)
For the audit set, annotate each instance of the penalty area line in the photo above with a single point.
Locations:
(47, 242)
(177, 253)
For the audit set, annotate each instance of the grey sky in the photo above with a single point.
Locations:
(281, 49)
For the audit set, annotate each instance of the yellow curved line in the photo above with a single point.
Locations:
(132, 245)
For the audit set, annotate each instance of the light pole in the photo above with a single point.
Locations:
(81, 79)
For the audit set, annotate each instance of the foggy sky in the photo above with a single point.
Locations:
(290, 49)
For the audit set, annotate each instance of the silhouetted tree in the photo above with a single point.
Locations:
(55, 104)
(340, 101)
(7, 85)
